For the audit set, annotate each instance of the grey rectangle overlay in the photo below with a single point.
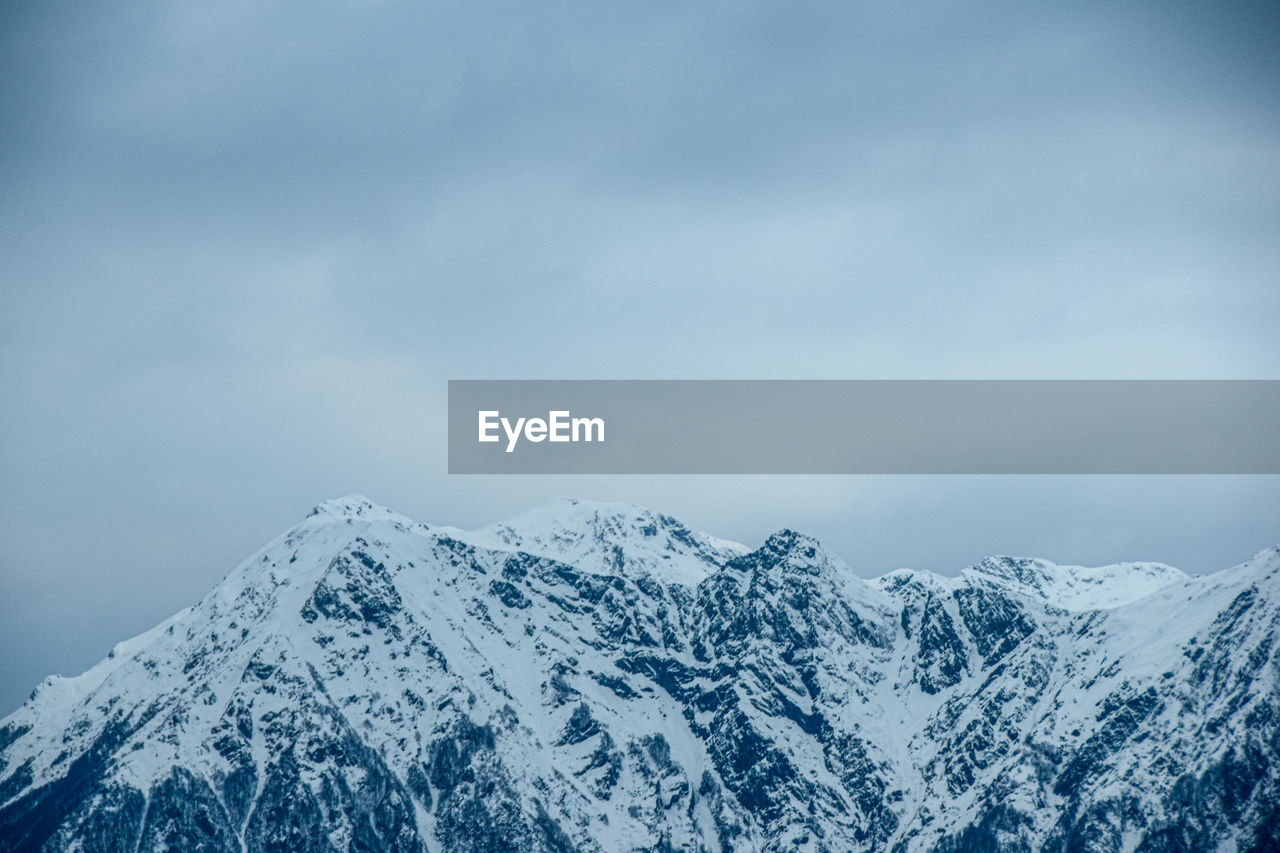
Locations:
(872, 426)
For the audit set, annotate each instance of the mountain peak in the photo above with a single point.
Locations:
(1077, 587)
(612, 538)
(355, 506)
(786, 540)
(919, 578)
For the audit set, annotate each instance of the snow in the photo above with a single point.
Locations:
(1078, 587)
(607, 538)
(258, 637)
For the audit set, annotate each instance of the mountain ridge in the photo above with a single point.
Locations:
(367, 682)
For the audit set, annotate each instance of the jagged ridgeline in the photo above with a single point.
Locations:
(597, 677)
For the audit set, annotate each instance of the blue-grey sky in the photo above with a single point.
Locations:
(243, 245)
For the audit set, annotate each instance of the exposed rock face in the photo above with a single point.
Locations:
(599, 677)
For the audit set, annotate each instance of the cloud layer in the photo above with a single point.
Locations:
(243, 245)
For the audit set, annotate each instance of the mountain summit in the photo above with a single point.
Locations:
(598, 677)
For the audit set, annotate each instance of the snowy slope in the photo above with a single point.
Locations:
(612, 538)
(1078, 587)
(599, 677)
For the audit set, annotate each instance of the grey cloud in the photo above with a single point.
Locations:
(243, 245)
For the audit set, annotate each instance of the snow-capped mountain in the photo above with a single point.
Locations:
(598, 677)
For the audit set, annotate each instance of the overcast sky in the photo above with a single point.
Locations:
(243, 245)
